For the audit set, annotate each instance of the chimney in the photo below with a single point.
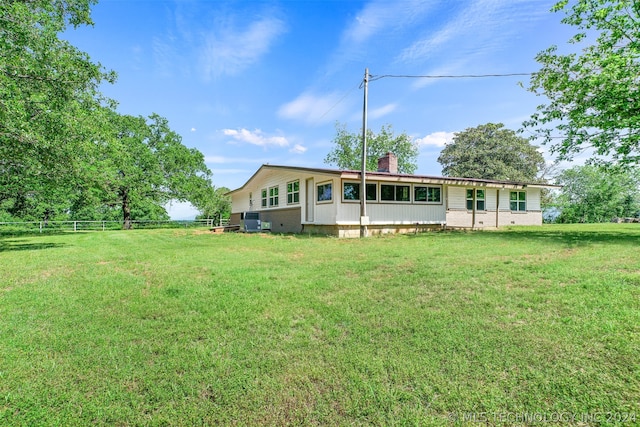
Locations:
(388, 163)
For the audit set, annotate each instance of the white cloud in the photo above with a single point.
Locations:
(230, 50)
(193, 129)
(256, 137)
(216, 159)
(383, 15)
(228, 160)
(298, 149)
(164, 55)
(435, 139)
(382, 111)
(483, 26)
(313, 109)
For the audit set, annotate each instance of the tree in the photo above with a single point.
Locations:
(145, 165)
(491, 152)
(48, 97)
(598, 194)
(48, 88)
(214, 204)
(594, 96)
(347, 152)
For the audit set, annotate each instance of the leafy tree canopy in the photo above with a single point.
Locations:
(598, 194)
(593, 96)
(491, 152)
(145, 163)
(347, 151)
(64, 151)
(48, 88)
(214, 204)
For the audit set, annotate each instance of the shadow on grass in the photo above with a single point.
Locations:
(4, 234)
(12, 245)
(567, 238)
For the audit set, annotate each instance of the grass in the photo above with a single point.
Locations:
(181, 327)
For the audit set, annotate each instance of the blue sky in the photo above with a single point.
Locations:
(252, 82)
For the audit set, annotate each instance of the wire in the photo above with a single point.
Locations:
(338, 102)
(462, 76)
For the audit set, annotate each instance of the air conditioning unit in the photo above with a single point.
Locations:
(251, 222)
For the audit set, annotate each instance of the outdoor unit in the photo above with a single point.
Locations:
(251, 222)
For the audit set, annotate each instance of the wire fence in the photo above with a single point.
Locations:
(74, 226)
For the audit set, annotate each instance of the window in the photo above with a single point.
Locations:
(398, 193)
(324, 192)
(293, 192)
(351, 191)
(273, 197)
(264, 198)
(518, 201)
(427, 194)
(479, 200)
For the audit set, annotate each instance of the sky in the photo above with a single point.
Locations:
(255, 82)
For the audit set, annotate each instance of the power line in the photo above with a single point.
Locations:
(461, 76)
(338, 102)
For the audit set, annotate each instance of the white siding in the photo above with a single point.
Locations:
(533, 199)
(325, 212)
(268, 179)
(456, 197)
(458, 216)
(337, 213)
(392, 213)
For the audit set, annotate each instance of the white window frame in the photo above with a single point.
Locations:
(274, 196)
(395, 193)
(368, 184)
(427, 186)
(478, 200)
(293, 193)
(518, 201)
(264, 198)
(318, 193)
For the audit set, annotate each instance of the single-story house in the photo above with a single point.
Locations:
(327, 201)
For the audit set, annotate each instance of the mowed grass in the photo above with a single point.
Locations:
(182, 327)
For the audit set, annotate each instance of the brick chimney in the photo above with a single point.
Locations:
(388, 163)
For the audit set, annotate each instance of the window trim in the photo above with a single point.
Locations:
(483, 200)
(293, 193)
(427, 202)
(368, 184)
(264, 198)
(322, 184)
(395, 193)
(518, 201)
(273, 197)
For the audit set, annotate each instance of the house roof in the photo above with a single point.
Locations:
(386, 176)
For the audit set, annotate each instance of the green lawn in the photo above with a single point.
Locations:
(182, 327)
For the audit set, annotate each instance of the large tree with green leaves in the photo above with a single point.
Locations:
(490, 151)
(593, 95)
(145, 165)
(597, 194)
(347, 151)
(48, 97)
(48, 88)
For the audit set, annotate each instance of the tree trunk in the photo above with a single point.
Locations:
(126, 210)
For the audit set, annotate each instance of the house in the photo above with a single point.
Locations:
(327, 201)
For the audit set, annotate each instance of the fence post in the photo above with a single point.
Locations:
(102, 225)
(75, 226)
(40, 226)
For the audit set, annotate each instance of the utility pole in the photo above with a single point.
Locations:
(364, 219)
